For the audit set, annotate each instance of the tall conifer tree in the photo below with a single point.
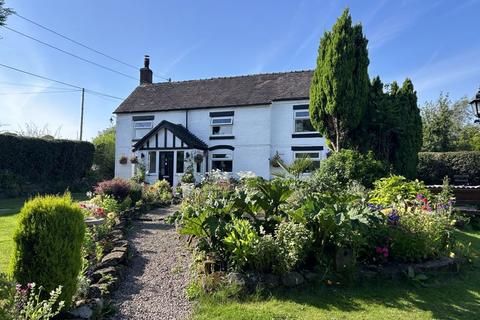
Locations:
(340, 84)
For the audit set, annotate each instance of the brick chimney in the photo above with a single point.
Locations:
(146, 74)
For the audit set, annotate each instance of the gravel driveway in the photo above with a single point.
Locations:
(155, 280)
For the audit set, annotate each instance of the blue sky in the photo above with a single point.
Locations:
(432, 42)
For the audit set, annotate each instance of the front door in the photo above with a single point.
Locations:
(166, 166)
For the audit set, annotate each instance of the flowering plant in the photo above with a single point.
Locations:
(30, 306)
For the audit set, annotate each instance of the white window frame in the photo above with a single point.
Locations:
(319, 158)
(229, 124)
(228, 156)
(295, 118)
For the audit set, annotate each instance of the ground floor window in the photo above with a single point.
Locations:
(314, 156)
(222, 161)
(152, 162)
(180, 161)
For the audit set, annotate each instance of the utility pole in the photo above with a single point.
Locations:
(81, 114)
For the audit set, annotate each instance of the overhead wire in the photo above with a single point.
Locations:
(71, 54)
(60, 82)
(84, 45)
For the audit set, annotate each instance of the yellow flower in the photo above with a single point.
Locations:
(452, 255)
(386, 211)
(111, 215)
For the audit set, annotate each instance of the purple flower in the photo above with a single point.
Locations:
(420, 196)
(393, 217)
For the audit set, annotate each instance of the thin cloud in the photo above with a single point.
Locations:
(180, 58)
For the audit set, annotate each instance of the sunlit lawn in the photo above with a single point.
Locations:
(9, 209)
(443, 297)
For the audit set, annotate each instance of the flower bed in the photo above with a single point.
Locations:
(100, 256)
(291, 229)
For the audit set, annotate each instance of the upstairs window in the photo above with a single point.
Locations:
(221, 126)
(222, 162)
(141, 128)
(302, 122)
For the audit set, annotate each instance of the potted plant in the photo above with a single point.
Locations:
(134, 159)
(187, 182)
(276, 160)
(123, 160)
(198, 158)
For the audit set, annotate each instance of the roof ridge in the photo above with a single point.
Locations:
(238, 76)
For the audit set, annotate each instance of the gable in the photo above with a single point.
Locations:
(167, 135)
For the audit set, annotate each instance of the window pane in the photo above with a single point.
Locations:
(221, 130)
(311, 155)
(152, 156)
(221, 155)
(303, 125)
(143, 125)
(223, 165)
(180, 159)
(139, 133)
(221, 120)
(302, 114)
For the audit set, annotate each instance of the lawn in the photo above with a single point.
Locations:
(9, 209)
(443, 297)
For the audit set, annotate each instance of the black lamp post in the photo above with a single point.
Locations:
(475, 103)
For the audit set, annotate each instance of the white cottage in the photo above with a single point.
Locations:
(231, 123)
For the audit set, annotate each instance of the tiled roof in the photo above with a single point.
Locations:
(248, 90)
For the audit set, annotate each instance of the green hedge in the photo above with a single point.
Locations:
(48, 244)
(33, 165)
(434, 166)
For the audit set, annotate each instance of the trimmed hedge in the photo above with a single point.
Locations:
(434, 166)
(33, 165)
(48, 244)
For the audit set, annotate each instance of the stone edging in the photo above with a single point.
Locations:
(106, 275)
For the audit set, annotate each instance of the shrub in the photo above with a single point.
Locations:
(136, 190)
(188, 177)
(396, 189)
(264, 257)
(48, 244)
(419, 235)
(158, 193)
(294, 241)
(117, 188)
(33, 165)
(240, 240)
(348, 165)
(434, 166)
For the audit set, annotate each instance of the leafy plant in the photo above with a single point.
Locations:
(240, 241)
(32, 306)
(294, 241)
(396, 189)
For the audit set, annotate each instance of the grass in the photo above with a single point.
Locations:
(9, 209)
(442, 297)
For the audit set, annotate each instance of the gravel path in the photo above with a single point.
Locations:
(155, 280)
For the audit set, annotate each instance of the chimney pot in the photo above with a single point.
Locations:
(146, 75)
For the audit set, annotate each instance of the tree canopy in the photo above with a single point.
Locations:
(4, 12)
(104, 157)
(448, 126)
